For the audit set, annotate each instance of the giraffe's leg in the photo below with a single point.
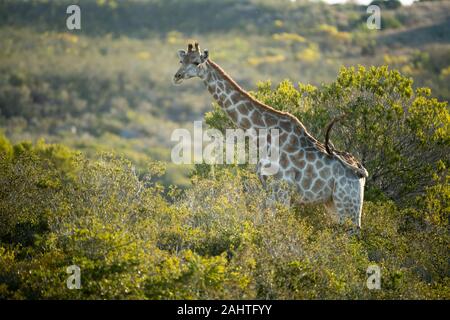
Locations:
(277, 189)
(262, 178)
(347, 199)
(360, 199)
(278, 193)
(331, 209)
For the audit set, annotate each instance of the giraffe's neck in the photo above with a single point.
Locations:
(248, 113)
(242, 109)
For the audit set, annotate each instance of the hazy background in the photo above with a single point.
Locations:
(108, 85)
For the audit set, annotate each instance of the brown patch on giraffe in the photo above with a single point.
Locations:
(325, 173)
(233, 115)
(269, 137)
(220, 103)
(270, 120)
(244, 123)
(242, 109)
(227, 103)
(257, 118)
(292, 143)
(293, 139)
(234, 97)
(306, 182)
(319, 164)
(284, 162)
(249, 106)
(297, 175)
(229, 88)
(286, 125)
(282, 138)
(309, 171)
(220, 85)
(349, 174)
(304, 142)
(211, 89)
(310, 156)
(298, 131)
(222, 97)
(299, 163)
(290, 147)
(318, 185)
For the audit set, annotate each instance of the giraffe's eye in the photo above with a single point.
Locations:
(196, 63)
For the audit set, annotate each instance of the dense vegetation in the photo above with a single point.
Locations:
(99, 191)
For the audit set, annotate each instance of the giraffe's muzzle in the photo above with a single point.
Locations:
(177, 78)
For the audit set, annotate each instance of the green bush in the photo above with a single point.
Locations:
(134, 240)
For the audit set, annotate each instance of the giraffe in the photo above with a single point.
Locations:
(318, 172)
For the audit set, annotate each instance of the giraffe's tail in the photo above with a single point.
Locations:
(346, 158)
(327, 134)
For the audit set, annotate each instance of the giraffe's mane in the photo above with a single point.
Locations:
(291, 117)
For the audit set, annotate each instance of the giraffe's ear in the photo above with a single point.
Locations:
(181, 54)
(205, 55)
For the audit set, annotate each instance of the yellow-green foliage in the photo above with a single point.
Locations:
(309, 54)
(132, 239)
(254, 61)
(288, 37)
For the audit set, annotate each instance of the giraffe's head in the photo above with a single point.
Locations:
(191, 63)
